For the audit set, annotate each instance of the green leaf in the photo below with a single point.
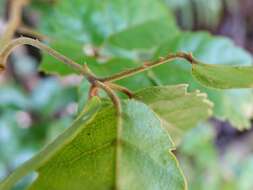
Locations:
(108, 23)
(223, 76)
(68, 48)
(43, 156)
(145, 36)
(104, 155)
(213, 50)
(94, 21)
(180, 109)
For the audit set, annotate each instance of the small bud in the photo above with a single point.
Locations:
(2, 68)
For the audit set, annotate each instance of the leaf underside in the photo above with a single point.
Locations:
(144, 161)
(100, 157)
(179, 109)
(223, 76)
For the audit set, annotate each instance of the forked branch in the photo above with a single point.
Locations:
(112, 96)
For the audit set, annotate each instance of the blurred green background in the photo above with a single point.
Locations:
(36, 106)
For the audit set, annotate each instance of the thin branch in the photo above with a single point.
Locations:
(31, 33)
(121, 89)
(6, 51)
(112, 96)
(117, 104)
(14, 21)
(149, 65)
